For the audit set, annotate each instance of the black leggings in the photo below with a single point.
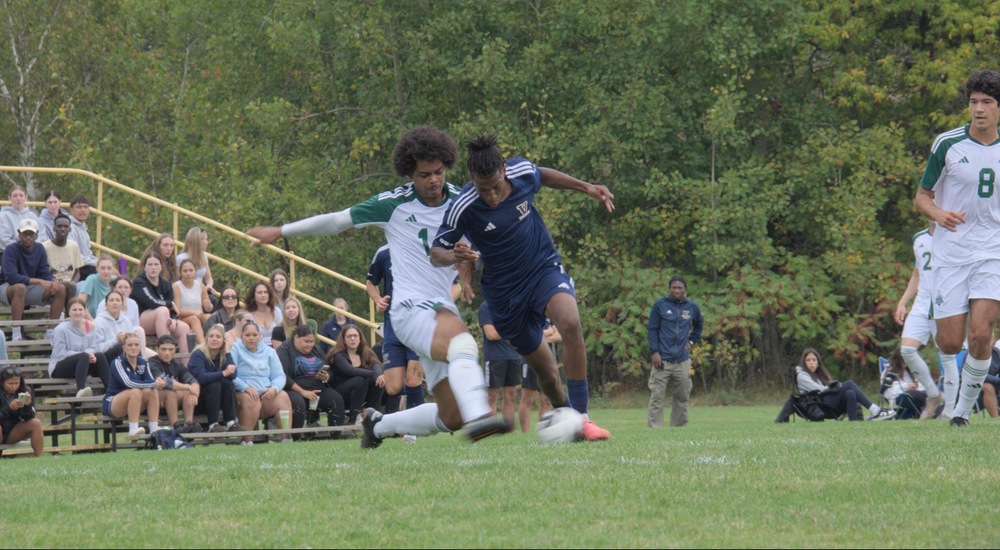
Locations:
(78, 366)
(330, 401)
(847, 399)
(360, 392)
(215, 396)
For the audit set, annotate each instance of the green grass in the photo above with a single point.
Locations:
(731, 478)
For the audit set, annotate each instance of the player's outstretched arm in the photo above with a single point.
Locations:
(323, 224)
(924, 201)
(558, 180)
(264, 234)
(443, 257)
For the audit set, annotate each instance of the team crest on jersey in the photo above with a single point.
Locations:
(686, 315)
(523, 209)
(939, 301)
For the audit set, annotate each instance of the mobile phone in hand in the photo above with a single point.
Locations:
(22, 397)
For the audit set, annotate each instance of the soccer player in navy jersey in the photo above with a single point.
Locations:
(523, 280)
(424, 315)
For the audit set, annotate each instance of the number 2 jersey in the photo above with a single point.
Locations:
(962, 173)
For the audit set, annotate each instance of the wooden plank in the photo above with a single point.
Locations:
(22, 450)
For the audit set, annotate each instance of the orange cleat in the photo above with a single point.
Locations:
(593, 432)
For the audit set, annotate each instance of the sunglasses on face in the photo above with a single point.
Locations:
(228, 297)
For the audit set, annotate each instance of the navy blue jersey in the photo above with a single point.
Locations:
(380, 272)
(513, 242)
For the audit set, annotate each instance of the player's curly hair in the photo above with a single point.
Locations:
(423, 143)
(985, 81)
(485, 158)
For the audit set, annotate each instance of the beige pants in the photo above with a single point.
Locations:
(677, 375)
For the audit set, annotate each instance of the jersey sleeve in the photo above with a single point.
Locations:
(376, 270)
(935, 168)
(448, 235)
(376, 210)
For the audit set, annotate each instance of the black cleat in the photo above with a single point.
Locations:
(485, 427)
(959, 422)
(368, 420)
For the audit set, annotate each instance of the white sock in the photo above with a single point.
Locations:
(420, 420)
(153, 426)
(875, 409)
(973, 374)
(949, 373)
(16, 333)
(468, 385)
(920, 370)
(132, 427)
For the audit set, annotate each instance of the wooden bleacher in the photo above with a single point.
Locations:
(81, 419)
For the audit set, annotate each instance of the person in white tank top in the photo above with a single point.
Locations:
(192, 300)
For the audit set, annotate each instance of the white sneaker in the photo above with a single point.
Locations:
(247, 443)
(286, 440)
(883, 415)
(85, 392)
(139, 432)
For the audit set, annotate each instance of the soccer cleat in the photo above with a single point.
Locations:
(883, 415)
(593, 432)
(930, 410)
(485, 427)
(368, 420)
(139, 432)
(959, 422)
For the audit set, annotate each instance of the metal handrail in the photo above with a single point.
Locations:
(292, 258)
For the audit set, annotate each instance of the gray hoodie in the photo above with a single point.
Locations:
(106, 334)
(78, 232)
(10, 218)
(68, 340)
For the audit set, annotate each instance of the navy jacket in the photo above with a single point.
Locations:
(672, 325)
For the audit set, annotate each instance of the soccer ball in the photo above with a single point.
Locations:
(562, 425)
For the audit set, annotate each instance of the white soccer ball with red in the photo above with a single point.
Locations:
(562, 425)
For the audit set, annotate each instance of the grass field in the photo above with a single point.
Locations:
(731, 478)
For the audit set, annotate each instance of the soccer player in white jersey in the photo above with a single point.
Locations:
(959, 192)
(919, 327)
(424, 315)
(523, 279)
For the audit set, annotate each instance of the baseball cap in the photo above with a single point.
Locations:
(27, 224)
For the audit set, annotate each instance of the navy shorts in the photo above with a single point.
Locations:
(395, 354)
(523, 322)
(504, 373)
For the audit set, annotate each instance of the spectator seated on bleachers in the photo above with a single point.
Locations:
(229, 302)
(17, 411)
(12, 215)
(64, 255)
(79, 211)
(306, 376)
(181, 388)
(131, 382)
(27, 279)
(215, 371)
(357, 372)
(260, 381)
(74, 350)
(97, 286)
(292, 316)
(47, 217)
(335, 324)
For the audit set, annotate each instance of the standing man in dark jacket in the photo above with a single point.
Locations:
(675, 325)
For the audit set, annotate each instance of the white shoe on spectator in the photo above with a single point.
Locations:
(85, 392)
(139, 432)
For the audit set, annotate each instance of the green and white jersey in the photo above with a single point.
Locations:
(409, 226)
(962, 173)
(922, 256)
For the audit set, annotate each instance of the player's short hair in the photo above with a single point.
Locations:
(677, 279)
(985, 81)
(423, 143)
(485, 158)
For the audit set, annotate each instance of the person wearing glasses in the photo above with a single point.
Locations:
(17, 414)
(229, 302)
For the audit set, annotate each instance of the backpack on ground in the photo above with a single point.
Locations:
(166, 439)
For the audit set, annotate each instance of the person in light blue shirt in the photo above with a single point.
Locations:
(259, 381)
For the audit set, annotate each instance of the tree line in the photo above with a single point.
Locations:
(769, 152)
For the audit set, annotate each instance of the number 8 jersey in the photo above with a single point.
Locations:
(962, 173)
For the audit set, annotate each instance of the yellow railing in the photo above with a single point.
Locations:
(177, 211)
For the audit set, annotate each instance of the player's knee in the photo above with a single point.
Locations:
(463, 346)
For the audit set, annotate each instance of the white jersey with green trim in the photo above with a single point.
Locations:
(962, 173)
(409, 226)
(923, 263)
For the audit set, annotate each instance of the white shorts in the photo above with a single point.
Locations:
(955, 285)
(414, 324)
(920, 325)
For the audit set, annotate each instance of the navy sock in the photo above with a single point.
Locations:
(579, 393)
(414, 396)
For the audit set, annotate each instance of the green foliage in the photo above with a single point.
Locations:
(769, 152)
